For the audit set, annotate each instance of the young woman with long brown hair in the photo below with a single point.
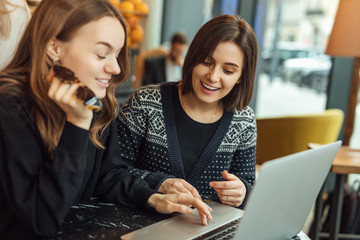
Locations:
(54, 150)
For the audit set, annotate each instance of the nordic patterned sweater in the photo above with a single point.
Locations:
(148, 141)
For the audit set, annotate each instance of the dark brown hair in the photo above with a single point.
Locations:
(224, 28)
(26, 72)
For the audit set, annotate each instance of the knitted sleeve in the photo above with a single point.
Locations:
(243, 163)
(140, 143)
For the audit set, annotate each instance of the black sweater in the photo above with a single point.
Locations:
(36, 193)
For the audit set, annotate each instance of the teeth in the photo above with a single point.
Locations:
(209, 87)
(103, 81)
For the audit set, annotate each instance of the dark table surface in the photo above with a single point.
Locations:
(99, 220)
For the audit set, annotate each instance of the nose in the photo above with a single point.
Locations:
(113, 67)
(214, 74)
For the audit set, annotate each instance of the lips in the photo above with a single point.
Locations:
(104, 82)
(208, 87)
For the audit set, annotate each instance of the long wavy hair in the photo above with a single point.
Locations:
(224, 28)
(26, 72)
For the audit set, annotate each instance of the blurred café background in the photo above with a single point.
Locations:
(294, 74)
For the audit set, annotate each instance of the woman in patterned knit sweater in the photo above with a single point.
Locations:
(198, 136)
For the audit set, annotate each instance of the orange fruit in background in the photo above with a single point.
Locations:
(137, 34)
(133, 21)
(134, 1)
(142, 7)
(126, 6)
(114, 2)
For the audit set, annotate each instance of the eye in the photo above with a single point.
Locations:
(206, 62)
(100, 56)
(228, 72)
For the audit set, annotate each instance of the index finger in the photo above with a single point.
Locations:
(54, 85)
(192, 189)
(202, 207)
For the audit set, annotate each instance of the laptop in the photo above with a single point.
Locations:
(277, 208)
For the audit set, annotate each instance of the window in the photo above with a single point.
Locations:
(295, 72)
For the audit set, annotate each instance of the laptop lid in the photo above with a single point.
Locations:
(284, 194)
(277, 207)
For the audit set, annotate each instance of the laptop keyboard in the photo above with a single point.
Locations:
(224, 232)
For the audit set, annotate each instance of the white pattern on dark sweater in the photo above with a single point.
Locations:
(148, 140)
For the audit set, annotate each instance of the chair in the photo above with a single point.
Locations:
(139, 64)
(280, 136)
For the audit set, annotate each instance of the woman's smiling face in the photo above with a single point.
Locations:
(214, 78)
(93, 52)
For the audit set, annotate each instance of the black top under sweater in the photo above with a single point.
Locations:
(193, 136)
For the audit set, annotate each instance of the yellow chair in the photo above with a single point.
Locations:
(280, 136)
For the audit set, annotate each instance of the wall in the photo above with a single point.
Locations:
(184, 15)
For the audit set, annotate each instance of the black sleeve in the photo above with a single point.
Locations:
(115, 184)
(38, 190)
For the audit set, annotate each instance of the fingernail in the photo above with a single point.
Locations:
(208, 214)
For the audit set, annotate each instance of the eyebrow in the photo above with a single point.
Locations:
(232, 64)
(106, 44)
(227, 63)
